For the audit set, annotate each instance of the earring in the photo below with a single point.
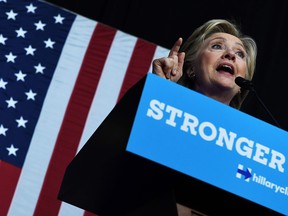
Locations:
(192, 75)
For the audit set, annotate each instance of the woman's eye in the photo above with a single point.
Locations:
(241, 54)
(216, 46)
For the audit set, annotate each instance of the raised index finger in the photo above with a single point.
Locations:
(176, 47)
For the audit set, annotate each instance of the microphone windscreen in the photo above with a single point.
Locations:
(244, 83)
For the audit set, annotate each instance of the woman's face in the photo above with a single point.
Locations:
(221, 59)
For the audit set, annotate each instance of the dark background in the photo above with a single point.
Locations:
(162, 22)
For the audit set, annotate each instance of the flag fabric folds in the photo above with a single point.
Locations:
(61, 74)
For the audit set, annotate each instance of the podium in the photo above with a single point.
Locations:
(131, 165)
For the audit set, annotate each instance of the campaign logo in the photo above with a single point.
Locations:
(244, 173)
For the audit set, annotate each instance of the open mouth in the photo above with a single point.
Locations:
(225, 68)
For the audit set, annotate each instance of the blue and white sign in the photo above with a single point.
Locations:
(210, 141)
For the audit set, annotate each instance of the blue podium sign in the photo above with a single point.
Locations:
(207, 140)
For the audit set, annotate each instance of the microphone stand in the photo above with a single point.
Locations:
(247, 84)
(265, 108)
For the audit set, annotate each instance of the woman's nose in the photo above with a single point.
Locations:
(229, 54)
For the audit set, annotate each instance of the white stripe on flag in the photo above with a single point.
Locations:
(70, 210)
(47, 128)
(159, 53)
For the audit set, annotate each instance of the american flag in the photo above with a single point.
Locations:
(60, 76)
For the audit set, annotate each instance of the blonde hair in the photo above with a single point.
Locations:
(193, 43)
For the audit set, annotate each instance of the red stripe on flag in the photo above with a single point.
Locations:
(88, 214)
(139, 64)
(75, 118)
(9, 176)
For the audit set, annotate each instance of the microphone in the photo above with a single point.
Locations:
(244, 83)
(248, 85)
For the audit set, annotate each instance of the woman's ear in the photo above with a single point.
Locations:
(190, 72)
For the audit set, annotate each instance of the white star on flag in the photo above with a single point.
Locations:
(31, 8)
(39, 25)
(3, 130)
(11, 102)
(11, 15)
(49, 43)
(30, 50)
(10, 57)
(2, 39)
(59, 19)
(30, 95)
(20, 76)
(21, 32)
(39, 68)
(12, 150)
(3, 84)
(21, 122)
